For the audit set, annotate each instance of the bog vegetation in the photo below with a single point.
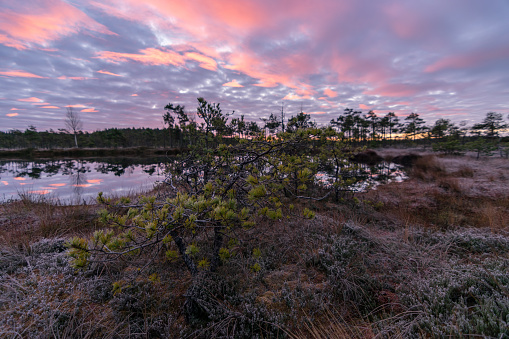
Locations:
(243, 241)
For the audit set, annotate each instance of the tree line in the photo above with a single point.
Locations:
(183, 128)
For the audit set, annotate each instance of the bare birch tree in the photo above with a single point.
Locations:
(73, 122)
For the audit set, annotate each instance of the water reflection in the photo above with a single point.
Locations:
(365, 177)
(78, 181)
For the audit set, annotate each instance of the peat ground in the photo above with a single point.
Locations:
(426, 257)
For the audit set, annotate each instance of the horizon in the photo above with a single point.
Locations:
(119, 62)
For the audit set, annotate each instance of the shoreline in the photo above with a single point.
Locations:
(31, 153)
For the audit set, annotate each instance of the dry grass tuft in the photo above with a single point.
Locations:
(30, 220)
(450, 184)
(427, 168)
(464, 172)
(493, 216)
(332, 325)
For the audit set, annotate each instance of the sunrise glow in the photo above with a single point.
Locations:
(435, 58)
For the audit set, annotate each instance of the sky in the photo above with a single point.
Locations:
(119, 62)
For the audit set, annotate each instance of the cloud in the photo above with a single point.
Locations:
(330, 93)
(362, 106)
(109, 73)
(159, 57)
(232, 83)
(148, 56)
(31, 99)
(21, 74)
(63, 77)
(134, 95)
(50, 107)
(76, 106)
(12, 114)
(204, 61)
(469, 60)
(47, 20)
(293, 96)
(396, 90)
(91, 110)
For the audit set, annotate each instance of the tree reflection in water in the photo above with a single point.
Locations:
(79, 180)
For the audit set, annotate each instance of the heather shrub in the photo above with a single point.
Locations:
(44, 304)
(11, 260)
(216, 309)
(460, 300)
(48, 246)
(346, 262)
(465, 241)
(143, 305)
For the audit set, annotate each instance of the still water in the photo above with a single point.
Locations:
(79, 181)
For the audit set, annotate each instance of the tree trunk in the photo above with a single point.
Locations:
(191, 266)
(218, 242)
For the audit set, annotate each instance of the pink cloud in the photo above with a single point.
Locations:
(395, 90)
(50, 107)
(92, 110)
(17, 109)
(404, 21)
(149, 56)
(48, 49)
(31, 99)
(12, 114)
(258, 69)
(330, 93)
(134, 95)
(76, 106)
(204, 61)
(232, 83)
(470, 60)
(162, 56)
(42, 22)
(217, 32)
(292, 96)
(21, 74)
(109, 73)
(362, 106)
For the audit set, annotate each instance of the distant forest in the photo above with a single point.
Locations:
(182, 130)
